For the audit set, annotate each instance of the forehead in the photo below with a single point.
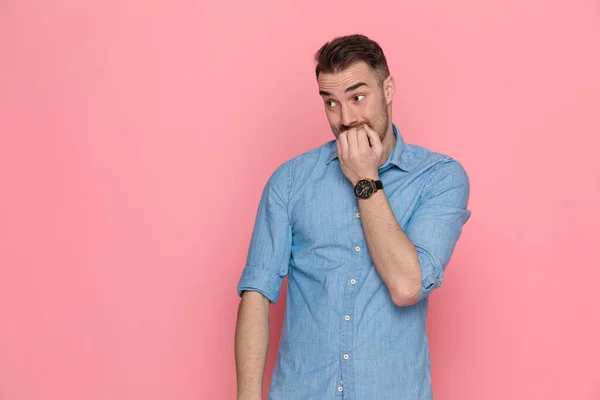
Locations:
(338, 81)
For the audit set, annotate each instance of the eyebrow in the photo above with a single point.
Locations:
(348, 89)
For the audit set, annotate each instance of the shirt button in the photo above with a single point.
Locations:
(340, 388)
(346, 356)
(357, 248)
(341, 382)
(347, 318)
(353, 281)
(357, 215)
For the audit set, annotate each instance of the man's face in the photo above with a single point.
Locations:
(354, 97)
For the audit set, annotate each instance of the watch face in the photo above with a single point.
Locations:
(363, 189)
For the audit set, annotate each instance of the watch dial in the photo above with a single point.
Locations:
(363, 189)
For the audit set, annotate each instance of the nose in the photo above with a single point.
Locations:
(348, 116)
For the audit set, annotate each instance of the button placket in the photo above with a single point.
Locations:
(357, 242)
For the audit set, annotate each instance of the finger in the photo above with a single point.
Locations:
(356, 135)
(363, 141)
(353, 141)
(339, 150)
(343, 141)
(374, 138)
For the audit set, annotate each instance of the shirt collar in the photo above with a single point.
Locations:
(400, 155)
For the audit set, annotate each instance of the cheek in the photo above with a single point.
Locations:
(369, 112)
(332, 116)
(378, 108)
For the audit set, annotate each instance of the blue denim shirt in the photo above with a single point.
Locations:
(343, 337)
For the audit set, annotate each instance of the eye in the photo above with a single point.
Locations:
(330, 103)
(359, 97)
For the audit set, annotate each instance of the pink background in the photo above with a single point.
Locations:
(136, 137)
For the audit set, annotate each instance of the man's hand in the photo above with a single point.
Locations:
(358, 158)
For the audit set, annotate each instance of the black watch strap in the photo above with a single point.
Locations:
(378, 185)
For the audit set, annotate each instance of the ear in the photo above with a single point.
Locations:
(389, 89)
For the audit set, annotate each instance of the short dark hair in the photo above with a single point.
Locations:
(342, 51)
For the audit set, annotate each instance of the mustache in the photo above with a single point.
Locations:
(344, 128)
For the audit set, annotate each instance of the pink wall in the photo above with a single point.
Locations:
(136, 136)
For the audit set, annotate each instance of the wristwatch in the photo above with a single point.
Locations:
(366, 187)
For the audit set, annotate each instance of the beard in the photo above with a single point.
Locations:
(379, 123)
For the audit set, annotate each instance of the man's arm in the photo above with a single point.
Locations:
(251, 344)
(259, 286)
(393, 254)
(411, 262)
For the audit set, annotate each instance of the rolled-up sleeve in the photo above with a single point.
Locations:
(437, 223)
(271, 242)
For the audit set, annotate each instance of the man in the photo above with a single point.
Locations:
(363, 227)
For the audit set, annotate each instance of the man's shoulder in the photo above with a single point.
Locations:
(312, 155)
(308, 158)
(424, 159)
(439, 172)
(302, 163)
